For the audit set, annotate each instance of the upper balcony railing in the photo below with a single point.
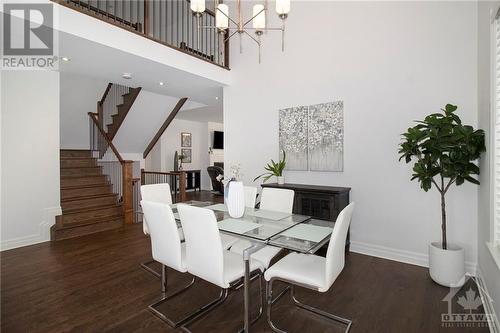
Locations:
(169, 22)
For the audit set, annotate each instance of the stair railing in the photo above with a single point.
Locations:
(176, 180)
(109, 104)
(118, 170)
(169, 22)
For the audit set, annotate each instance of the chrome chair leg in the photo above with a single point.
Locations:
(172, 323)
(320, 312)
(271, 301)
(203, 310)
(211, 306)
(145, 266)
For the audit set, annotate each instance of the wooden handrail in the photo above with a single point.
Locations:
(103, 133)
(163, 127)
(108, 88)
(174, 173)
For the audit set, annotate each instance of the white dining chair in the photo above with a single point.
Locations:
(268, 202)
(312, 271)
(167, 249)
(250, 194)
(160, 193)
(277, 199)
(205, 256)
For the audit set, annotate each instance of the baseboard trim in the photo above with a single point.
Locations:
(49, 215)
(408, 257)
(487, 302)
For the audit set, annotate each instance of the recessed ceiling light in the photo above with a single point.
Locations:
(65, 59)
(127, 76)
(161, 83)
(217, 97)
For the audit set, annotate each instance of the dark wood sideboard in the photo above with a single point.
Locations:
(320, 202)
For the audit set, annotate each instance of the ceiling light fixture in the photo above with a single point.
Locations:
(127, 76)
(161, 83)
(66, 59)
(258, 20)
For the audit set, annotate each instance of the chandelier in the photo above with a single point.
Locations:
(241, 26)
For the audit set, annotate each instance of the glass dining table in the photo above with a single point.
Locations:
(294, 232)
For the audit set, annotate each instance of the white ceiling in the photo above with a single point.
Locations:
(96, 60)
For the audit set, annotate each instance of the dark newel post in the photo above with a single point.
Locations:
(143, 176)
(128, 208)
(146, 17)
(182, 186)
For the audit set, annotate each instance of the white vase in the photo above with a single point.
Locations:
(447, 267)
(281, 180)
(235, 199)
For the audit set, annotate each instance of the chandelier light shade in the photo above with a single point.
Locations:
(282, 7)
(222, 16)
(198, 6)
(230, 26)
(259, 18)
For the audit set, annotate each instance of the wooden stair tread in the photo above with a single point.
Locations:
(90, 208)
(90, 196)
(74, 187)
(88, 222)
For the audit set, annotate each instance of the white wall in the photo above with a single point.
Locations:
(391, 63)
(488, 269)
(79, 96)
(30, 156)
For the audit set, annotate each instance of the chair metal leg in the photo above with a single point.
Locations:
(145, 266)
(190, 316)
(203, 310)
(320, 312)
(271, 301)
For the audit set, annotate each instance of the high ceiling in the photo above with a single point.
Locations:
(96, 60)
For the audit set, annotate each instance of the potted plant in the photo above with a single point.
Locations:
(274, 169)
(181, 158)
(443, 151)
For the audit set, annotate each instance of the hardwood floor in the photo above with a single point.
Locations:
(95, 284)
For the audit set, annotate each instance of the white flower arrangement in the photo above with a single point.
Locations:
(235, 172)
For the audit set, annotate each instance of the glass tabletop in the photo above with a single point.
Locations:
(307, 237)
(253, 224)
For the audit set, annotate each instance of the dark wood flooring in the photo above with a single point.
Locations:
(95, 284)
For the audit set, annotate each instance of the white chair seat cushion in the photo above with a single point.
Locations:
(264, 255)
(234, 267)
(307, 269)
(227, 240)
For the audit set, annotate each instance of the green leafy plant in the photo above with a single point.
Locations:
(444, 150)
(273, 169)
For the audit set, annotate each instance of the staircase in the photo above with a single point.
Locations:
(87, 199)
(114, 107)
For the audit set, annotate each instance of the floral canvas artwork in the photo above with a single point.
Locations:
(313, 136)
(326, 137)
(293, 137)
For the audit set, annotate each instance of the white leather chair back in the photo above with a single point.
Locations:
(250, 196)
(204, 253)
(156, 193)
(165, 241)
(276, 199)
(335, 255)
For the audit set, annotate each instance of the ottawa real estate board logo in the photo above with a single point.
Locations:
(28, 37)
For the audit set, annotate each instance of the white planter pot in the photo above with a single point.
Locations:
(281, 180)
(235, 199)
(447, 267)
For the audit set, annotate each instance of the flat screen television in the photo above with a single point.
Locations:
(218, 140)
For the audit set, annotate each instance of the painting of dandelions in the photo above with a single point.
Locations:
(293, 137)
(326, 137)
